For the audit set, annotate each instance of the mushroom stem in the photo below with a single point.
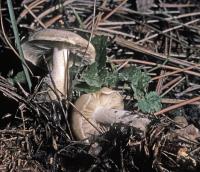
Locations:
(109, 116)
(60, 74)
(61, 42)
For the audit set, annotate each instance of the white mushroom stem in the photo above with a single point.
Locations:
(109, 116)
(60, 73)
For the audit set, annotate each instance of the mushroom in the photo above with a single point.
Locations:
(62, 43)
(104, 107)
(90, 105)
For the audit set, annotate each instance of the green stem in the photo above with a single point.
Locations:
(17, 39)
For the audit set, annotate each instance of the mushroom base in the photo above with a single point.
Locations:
(109, 116)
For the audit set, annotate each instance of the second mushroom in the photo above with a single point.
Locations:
(103, 107)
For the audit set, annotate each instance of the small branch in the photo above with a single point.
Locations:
(168, 30)
(131, 45)
(173, 86)
(119, 61)
(175, 72)
(177, 106)
(35, 17)
(176, 101)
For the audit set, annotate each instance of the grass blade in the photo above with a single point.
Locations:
(17, 39)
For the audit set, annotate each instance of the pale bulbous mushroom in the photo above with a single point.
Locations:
(103, 107)
(91, 105)
(62, 43)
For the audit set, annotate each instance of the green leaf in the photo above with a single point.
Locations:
(100, 44)
(102, 74)
(111, 79)
(138, 81)
(91, 76)
(96, 75)
(150, 103)
(127, 74)
(95, 78)
(20, 77)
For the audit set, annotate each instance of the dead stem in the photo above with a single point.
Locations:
(177, 106)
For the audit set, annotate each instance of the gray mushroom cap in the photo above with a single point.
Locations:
(43, 41)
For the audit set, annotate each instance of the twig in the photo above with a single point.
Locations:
(131, 45)
(192, 88)
(167, 91)
(53, 20)
(50, 10)
(31, 6)
(168, 84)
(167, 30)
(116, 32)
(175, 72)
(114, 10)
(35, 17)
(176, 101)
(160, 83)
(177, 105)
(153, 64)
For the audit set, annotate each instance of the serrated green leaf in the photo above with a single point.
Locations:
(97, 78)
(138, 81)
(91, 76)
(126, 74)
(150, 103)
(111, 79)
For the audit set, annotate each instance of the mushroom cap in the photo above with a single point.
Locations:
(44, 40)
(87, 104)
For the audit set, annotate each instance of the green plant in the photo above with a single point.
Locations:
(150, 103)
(18, 78)
(17, 39)
(98, 75)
